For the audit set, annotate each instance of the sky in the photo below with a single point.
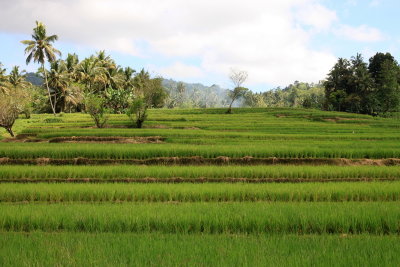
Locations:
(276, 41)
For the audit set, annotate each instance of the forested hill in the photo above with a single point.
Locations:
(34, 79)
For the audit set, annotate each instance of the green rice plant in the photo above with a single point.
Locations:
(116, 249)
(272, 172)
(294, 149)
(262, 218)
(308, 192)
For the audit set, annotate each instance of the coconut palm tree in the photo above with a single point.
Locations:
(40, 49)
(17, 78)
(90, 74)
(71, 63)
(3, 80)
(58, 81)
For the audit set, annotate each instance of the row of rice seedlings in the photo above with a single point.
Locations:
(207, 134)
(125, 249)
(244, 217)
(15, 172)
(312, 192)
(289, 149)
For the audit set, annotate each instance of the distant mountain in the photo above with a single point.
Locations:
(34, 79)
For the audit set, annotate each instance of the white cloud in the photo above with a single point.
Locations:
(317, 16)
(179, 70)
(361, 33)
(269, 39)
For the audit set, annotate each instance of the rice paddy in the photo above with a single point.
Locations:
(260, 187)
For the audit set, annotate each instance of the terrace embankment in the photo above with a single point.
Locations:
(198, 160)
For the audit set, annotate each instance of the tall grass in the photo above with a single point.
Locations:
(82, 249)
(297, 218)
(309, 192)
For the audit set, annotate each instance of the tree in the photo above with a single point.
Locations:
(17, 78)
(238, 78)
(41, 50)
(385, 72)
(336, 85)
(150, 90)
(59, 81)
(137, 112)
(94, 105)
(11, 105)
(3, 80)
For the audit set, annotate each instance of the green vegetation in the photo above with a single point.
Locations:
(110, 173)
(196, 187)
(106, 249)
(307, 192)
(296, 218)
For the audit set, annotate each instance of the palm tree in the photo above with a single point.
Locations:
(90, 74)
(3, 80)
(128, 78)
(17, 78)
(71, 63)
(59, 81)
(41, 50)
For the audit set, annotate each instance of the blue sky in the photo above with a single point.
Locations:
(277, 41)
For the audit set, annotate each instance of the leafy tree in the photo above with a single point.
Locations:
(94, 105)
(137, 112)
(336, 85)
(385, 72)
(238, 78)
(41, 50)
(11, 105)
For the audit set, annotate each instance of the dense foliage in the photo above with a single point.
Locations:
(355, 86)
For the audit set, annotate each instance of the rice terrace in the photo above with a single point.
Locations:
(125, 157)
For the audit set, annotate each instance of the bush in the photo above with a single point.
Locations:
(137, 112)
(94, 105)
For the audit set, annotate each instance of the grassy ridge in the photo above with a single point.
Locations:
(82, 249)
(10, 172)
(296, 218)
(313, 192)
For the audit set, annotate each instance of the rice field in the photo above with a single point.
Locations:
(260, 187)
(206, 192)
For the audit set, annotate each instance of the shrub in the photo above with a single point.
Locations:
(94, 105)
(137, 112)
